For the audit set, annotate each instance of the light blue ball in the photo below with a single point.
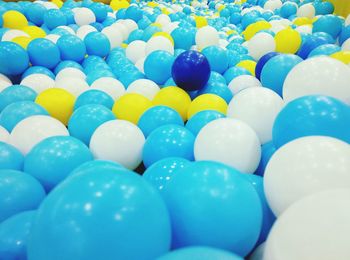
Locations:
(202, 118)
(84, 121)
(344, 34)
(267, 150)
(97, 166)
(105, 205)
(51, 160)
(71, 48)
(216, 196)
(330, 24)
(276, 70)
(100, 11)
(158, 116)
(135, 35)
(104, 72)
(97, 44)
(288, 9)
(268, 217)
(43, 52)
(16, 112)
(168, 141)
(67, 64)
(158, 66)
(161, 172)
(14, 233)
(200, 253)
(326, 49)
(38, 70)
(234, 72)
(54, 18)
(312, 115)
(219, 89)
(10, 157)
(149, 31)
(14, 59)
(94, 97)
(35, 14)
(183, 38)
(217, 57)
(18, 192)
(16, 93)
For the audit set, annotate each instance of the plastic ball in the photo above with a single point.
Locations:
(158, 116)
(288, 9)
(219, 213)
(267, 150)
(302, 219)
(254, 28)
(158, 66)
(306, 10)
(312, 115)
(207, 102)
(51, 160)
(144, 87)
(200, 119)
(43, 52)
(328, 76)
(248, 65)
(343, 56)
(35, 14)
(191, 70)
(183, 38)
(70, 72)
(16, 93)
(73, 85)
(110, 138)
(168, 141)
(10, 158)
(206, 36)
(19, 192)
(71, 48)
(14, 233)
(229, 141)
(330, 24)
(326, 49)
(258, 107)
(161, 172)
(114, 36)
(58, 102)
(217, 58)
(38, 82)
(38, 70)
(242, 82)
(14, 20)
(261, 44)
(276, 69)
(15, 112)
(97, 44)
(200, 252)
(102, 209)
(175, 98)
(14, 59)
(22, 41)
(94, 96)
(34, 32)
(111, 86)
(54, 18)
(30, 131)
(4, 134)
(287, 41)
(100, 11)
(159, 43)
(84, 16)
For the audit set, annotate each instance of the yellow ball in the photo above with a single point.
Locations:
(200, 21)
(287, 41)
(302, 21)
(124, 45)
(248, 65)
(254, 28)
(152, 4)
(165, 35)
(230, 32)
(119, 4)
(59, 103)
(34, 31)
(23, 41)
(130, 107)
(343, 56)
(58, 3)
(207, 102)
(14, 20)
(175, 98)
(157, 25)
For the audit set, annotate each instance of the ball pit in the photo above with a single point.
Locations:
(174, 129)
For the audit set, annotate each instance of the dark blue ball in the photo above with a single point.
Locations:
(191, 70)
(262, 62)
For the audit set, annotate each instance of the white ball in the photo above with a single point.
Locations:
(136, 50)
(229, 141)
(38, 82)
(242, 82)
(53, 37)
(319, 75)
(223, 43)
(169, 28)
(114, 36)
(67, 28)
(109, 142)
(304, 29)
(85, 30)
(314, 228)
(163, 19)
(4, 135)
(111, 86)
(122, 29)
(144, 87)
(207, 36)
(70, 73)
(347, 20)
(140, 64)
(272, 5)
(158, 43)
(84, 16)
(307, 10)
(260, 44)
(11, 34)
(258, 107)
(31, 130)
(75, 86)
(49, 5)
(5, 78)
(346, 45)
(305, 166)
(130, 24)
(4, 84)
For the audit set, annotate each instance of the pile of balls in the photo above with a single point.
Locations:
(174, 130)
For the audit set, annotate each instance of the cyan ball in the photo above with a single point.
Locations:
(202, 118)
(217, 57)
(51, 160)
(103, 206)
(94, 97)
(38, 70)
(35, 14)
(158, 65)
(14, 59)
(234, 72)
(71, 48)
(267, 150)
(54, 18)
(200, 253)
(10, 157)
(97, 166)
(67, 64)
(100, 10)
(158, 116)
(330, 24)
(16, 93)
(97, 44)
(43, 52)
